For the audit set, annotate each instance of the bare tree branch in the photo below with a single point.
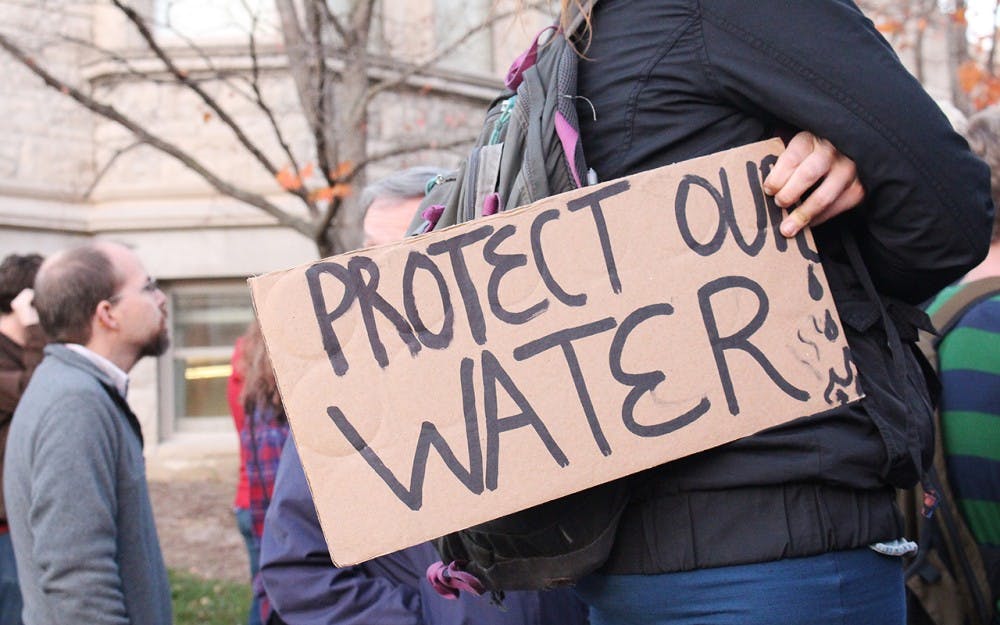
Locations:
(410, 148)
(262, 105)
(993, 39)
(402, 77)
(185, 79)
(301, 62)
(113, 56)
(206, 57)
(345, 37)
(107, 167)
(323, 226)
(146, 137)
(331, 61)
(314, 20)
(361, 23)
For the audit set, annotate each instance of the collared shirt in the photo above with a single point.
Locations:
(119, 377)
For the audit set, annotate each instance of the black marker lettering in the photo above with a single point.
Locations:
(413, 496)
(777, 215)
(454, 248)
(494, 373)
(326, 318)
(740, 340)
(774, 211)
(642, 383)
(543, 268)
(443, 338)
(760, 206)
(593, 201)
(369, 300)
(502, 264)
(720, 198)
(564, 339)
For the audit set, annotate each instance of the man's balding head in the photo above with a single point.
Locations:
(68, 288)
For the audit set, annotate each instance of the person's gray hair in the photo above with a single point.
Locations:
(983, 135)
(406, 183)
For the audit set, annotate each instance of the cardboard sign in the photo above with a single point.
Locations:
(469, 373)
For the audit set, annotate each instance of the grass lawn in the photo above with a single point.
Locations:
(200, 601)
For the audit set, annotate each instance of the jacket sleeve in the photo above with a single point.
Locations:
(73, 513)
(820, 65)
(13, 382)
(301, 581)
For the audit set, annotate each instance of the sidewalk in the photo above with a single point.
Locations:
(191, 484)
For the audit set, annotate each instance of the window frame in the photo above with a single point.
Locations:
(171, 420)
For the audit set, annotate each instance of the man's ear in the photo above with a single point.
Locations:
(105, 316)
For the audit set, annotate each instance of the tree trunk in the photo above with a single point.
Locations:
(958, 54)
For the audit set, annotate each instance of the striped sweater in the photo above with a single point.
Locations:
(969, 366)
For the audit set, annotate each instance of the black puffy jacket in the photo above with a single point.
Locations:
(670, 80)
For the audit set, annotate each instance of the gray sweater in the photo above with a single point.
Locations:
(78, 505)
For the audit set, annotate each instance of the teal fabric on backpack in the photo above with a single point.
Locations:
(529, 146)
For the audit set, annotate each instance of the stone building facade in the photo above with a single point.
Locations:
(67, 176)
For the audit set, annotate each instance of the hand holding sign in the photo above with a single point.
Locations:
(806, 161)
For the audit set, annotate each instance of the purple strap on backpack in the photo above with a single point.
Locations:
(448, 581)
(431, 215)
(522, 63)
(491, 204)
(568, 137)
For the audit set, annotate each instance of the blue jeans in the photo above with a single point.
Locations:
(245, 524)
(856, 587)
(10, 590)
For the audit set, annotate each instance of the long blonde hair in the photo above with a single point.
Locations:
(569, 10)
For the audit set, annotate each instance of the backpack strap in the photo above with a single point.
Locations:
(952, 311)
(897, 350)
(528, 58)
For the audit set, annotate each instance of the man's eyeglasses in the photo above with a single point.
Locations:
(150, 286)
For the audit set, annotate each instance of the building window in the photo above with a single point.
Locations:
(215, 20)
(207, 319)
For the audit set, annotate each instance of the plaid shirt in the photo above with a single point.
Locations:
(262, 438)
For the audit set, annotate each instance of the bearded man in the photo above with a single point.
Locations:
(75, 484)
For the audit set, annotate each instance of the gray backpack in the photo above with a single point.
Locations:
(529, 149)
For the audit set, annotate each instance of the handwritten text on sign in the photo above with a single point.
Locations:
(469, 373)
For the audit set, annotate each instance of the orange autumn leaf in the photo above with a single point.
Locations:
(206, 117)
(889, 27)
(288, 180)
(959, 16)
(969, 75)
(329, 193)
(992, 95)
(922, 24)
(342, 170)
(307, 171)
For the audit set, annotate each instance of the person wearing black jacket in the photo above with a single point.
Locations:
(791, 525)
